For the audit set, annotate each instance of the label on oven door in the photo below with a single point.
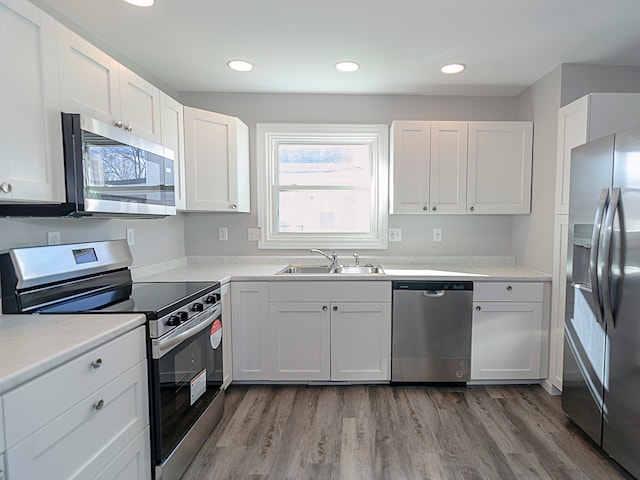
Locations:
(216, 333)
(198, 386)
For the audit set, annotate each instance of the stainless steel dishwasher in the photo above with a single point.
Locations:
(431, 333)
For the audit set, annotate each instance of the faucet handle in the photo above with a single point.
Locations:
(357, 259)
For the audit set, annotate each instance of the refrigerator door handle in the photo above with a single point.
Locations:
(606, 257)
(603, 203)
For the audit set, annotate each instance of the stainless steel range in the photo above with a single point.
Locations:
(184, 322)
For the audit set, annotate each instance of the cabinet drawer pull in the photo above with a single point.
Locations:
(335, 308)
(6, 187)
(435, 209)
(478, 308)
(234, 206)
(99, 404)
(117, 124)
(128, 128)
(97, 363)
(509, 288)
(472, 208)
(324, 309)
(425, 208)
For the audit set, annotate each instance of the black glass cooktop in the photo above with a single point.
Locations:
(154, 299)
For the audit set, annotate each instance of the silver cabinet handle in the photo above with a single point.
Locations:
(97, 363)
(509, 288)
(435, 209)
(117, 123)
(128, 128)
(324, 308)
(99, 404)
(234, 206)
(425, 208)
(472, 208)
(478, 308)
(335, 308)
(6, 187)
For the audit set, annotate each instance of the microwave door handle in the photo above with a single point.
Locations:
(606, 258)
(166, 344)
(603, 202)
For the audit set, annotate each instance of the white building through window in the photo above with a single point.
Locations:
(322, 186)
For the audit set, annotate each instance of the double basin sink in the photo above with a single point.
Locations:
(295, 269)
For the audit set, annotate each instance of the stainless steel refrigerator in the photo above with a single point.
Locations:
(601, 378)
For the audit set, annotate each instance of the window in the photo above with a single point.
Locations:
(322, 186)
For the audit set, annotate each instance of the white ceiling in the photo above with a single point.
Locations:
(507, 45)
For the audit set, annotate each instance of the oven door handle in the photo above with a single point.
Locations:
(164, 345)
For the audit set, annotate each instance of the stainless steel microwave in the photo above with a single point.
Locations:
(108, 172)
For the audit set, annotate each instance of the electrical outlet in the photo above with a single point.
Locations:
(131, 239)
(395, 234)
(437, 234)
(223, 233)
(53, 238)
(253, 234)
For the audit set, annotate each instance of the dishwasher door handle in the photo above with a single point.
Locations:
(433, 293)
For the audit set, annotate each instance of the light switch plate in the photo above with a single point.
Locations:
(53, 238)
(437, 234)
(223, 233)
(253, 234)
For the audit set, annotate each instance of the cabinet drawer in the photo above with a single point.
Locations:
(330, 291)
(85, 439)
(507, 291)
(55, 392)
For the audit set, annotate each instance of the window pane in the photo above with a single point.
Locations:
(325, 164)
(324, 211)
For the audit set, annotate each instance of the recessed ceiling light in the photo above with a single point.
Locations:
(240, 65)
(140, 3)
(347, 66)
(453, 68)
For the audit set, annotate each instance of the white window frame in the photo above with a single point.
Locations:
(269, 135)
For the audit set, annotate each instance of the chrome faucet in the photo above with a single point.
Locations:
(357, 259)
(333, 257)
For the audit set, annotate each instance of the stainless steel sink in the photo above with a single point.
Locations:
(295, 269)
(357, 269)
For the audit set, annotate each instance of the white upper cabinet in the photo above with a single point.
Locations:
(429, 167)
(94, 84)
(448, 179)
(409, 173)
(585, 119)
(31, 165)
(461, 167)
(216, 162)
(500, 159)
(172, 124)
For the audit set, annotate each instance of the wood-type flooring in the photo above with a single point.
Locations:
(358, 432)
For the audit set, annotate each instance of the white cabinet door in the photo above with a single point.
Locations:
(139, 106)
(31, 165)
(500, 160)
(217, 162)
(558, 298)
(89, 82)
(172, 124)
(448, 179)
(133, 463)
(94, 84)
(227, 335)
(299, 334)
(361, 341)
(410, 159)
(250, 326)
(506, 340)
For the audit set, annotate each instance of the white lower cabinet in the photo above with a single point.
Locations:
(227, 355)
(335, 330)
(506, 339)
(250, 326)
(105, 435)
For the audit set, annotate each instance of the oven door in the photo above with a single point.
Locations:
(186, 376)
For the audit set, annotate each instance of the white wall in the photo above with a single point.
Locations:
(155, 240)
(461, 235)
(579, 79)
(533, 234)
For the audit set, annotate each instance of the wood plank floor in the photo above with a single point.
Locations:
(396, 433)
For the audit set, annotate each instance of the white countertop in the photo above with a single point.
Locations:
(31, 345)
(199, 272)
